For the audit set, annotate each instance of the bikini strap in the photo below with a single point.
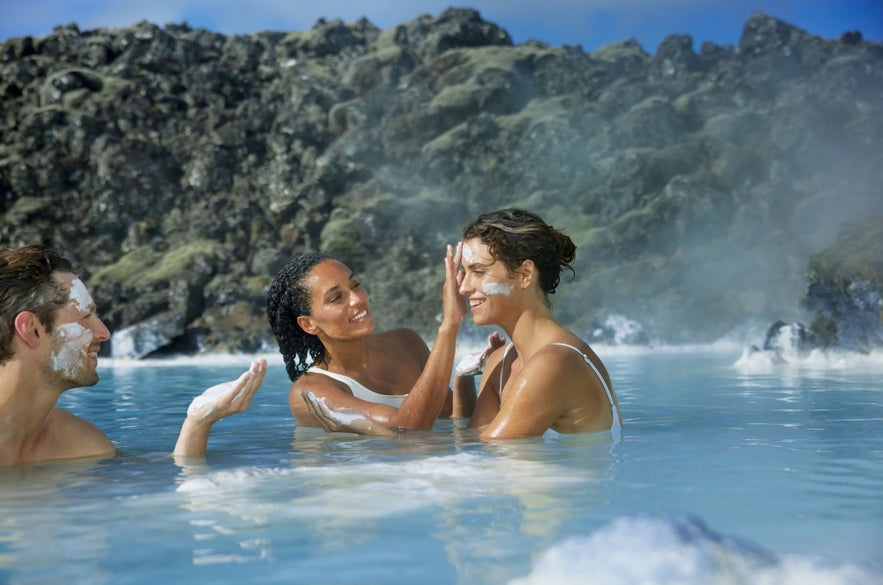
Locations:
(616, 426)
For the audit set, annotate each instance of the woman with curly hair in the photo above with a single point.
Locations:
(547, 377)
(320, 316)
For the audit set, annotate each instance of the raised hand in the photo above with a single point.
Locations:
(214, 404)
(454, 304)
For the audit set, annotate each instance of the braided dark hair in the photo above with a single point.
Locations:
(514, 235)
(288, 299)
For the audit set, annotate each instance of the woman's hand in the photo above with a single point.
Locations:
(473, 364)
(453, 303)
(346, 420)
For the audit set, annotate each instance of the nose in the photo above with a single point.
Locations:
(358, 296)
(465, 285)
(100, 331)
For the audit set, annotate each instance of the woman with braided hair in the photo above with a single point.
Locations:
(320, 316)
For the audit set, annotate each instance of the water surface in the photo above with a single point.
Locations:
(753, 474)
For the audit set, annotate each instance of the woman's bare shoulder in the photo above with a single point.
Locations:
(402, 342)
(557, 359)
(400, 335)
(315, 382)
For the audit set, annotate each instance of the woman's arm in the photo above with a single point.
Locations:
(463, 397)
(423, 403)
(345, 420)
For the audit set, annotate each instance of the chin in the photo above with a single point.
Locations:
(83, 379)
(477, 319)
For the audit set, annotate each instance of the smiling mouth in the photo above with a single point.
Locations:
(359, 316)
(473, 304)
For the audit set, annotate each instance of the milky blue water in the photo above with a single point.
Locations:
(761, 473)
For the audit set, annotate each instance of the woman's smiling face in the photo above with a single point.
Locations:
(338, 303)
(487, 283)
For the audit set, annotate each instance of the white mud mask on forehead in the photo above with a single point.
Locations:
(71, 342)
(467, 253)
(496, 288)
(80, 297)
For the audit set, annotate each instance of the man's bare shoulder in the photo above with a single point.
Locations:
(69, 435)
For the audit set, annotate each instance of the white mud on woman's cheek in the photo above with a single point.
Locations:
(497, 288)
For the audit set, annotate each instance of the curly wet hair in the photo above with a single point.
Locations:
(288, 299)
(514, 235)
(27, 284)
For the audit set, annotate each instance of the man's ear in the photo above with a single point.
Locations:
(29, 328)
(527, 273)
(306, 323)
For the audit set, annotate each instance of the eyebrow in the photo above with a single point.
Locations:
(336, 287)
(474, 265)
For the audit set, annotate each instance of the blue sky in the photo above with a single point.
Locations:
(590, 23)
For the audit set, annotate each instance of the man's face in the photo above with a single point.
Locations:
(76, 336)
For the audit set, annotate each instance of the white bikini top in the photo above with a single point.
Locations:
(616, 427)
(360, 391)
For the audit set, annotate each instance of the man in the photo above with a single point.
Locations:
(49, 342)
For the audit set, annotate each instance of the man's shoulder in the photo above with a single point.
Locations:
(76, 434)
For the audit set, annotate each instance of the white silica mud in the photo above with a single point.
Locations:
(497, 288)
(80, 297)
(70, 344)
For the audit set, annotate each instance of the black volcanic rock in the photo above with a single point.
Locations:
(182, 167)
(845, 289)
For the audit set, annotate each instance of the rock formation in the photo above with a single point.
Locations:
(845, 289)
(181, 168)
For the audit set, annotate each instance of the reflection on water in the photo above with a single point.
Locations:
(787, 462)
(343, 492)
(39, 513)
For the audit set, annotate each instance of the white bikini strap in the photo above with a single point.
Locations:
(594, 369)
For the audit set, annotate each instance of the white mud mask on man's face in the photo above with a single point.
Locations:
(80, 299)
(70, 347)
(71, 341)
